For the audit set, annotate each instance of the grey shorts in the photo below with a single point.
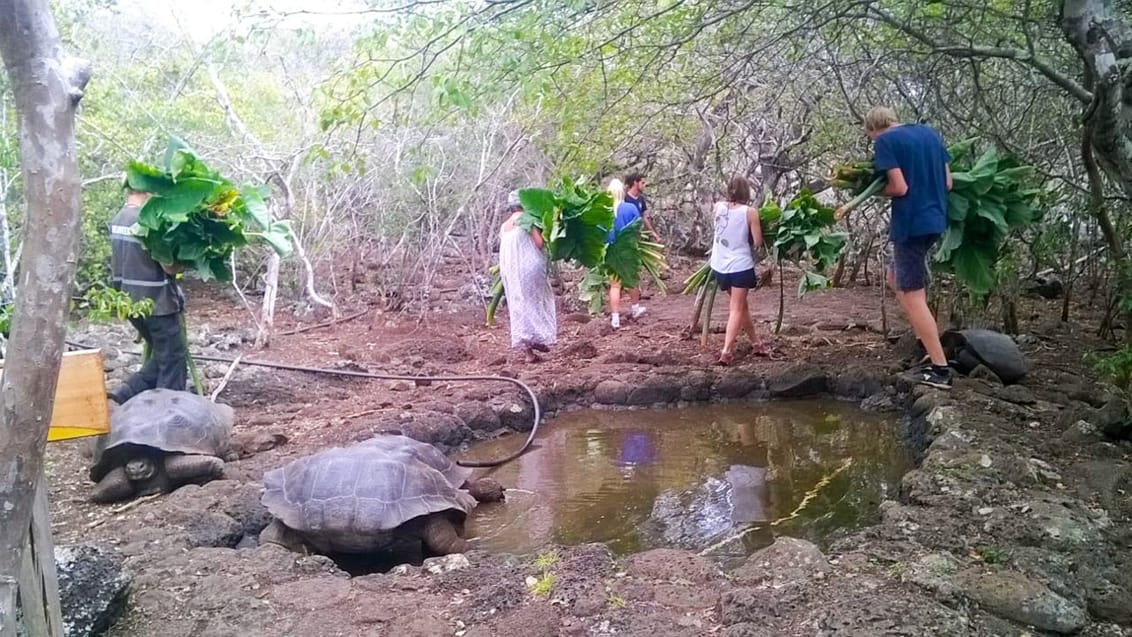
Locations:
(909, 262)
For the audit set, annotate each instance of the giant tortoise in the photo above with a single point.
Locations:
(967, 349)
(365, 497)
(160, 439)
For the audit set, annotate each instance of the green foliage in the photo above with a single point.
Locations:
(1115, 368)
(574, 221)
(196, 217)
(102, 304)
(990, 198)
(801, 231)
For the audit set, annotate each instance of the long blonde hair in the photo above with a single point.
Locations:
(617, 190)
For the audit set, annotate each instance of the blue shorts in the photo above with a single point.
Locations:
(745, 279)
(909, 263)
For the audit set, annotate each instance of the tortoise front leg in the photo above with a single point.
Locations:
(279, 534)
(187, 468)
(439, 535)
(112, 487)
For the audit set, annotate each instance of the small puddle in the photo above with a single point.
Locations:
(723, 480)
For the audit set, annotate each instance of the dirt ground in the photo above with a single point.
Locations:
(194, 573)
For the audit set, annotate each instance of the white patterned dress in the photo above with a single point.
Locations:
(530, 301)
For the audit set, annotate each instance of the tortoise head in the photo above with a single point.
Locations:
(140, 468)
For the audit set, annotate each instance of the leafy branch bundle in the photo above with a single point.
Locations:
(991, 197)
(574, 223)
(195, 217)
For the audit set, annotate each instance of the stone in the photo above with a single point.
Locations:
(747, 605)
(747, 629)
(654, 390)
(1081, 432)
(595, 329)
(1015, 394)
(249, 443)
(446, 563)
(789, 561)
(612, 392)
(93, 588)
(738, 383)
(933, 572)
(672, 565)
(312, 594)
(856, 382)
(1013, 596)
(799, 381)
(478, 416)
(982, 372)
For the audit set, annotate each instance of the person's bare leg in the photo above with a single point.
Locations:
(737, 300)
(615, 298)
(748, 325)
(635, 296)
(915, 306)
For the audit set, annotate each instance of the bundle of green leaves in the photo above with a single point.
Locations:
(575, 224)
(991, 197)
(574, 221)
(195, 217)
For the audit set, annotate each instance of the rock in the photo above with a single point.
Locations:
(1014, 596)
(856, 382)
(1016, 394)
(933, 572)
(799, 381)
(446, 563)
(1112, 418)
(655, 390)
(747, 629)
(982, 372)
(748, 606)
(789, 561)
(738, 383)
(249, 443)
(478, 416)
(93, 588)
(612, 392)
(581, 318)
(672, 565)
(1081, 432)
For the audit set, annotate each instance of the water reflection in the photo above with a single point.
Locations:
(693, 477)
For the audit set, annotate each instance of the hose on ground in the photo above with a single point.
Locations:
(357, 374)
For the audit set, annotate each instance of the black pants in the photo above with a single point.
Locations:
(167, 366)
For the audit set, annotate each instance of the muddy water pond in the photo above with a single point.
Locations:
(723, 480)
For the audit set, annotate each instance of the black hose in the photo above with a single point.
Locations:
(344, 372)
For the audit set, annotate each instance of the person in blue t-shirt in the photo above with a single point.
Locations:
(624, 213)
(915, 161)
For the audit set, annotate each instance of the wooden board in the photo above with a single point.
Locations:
(80, 397)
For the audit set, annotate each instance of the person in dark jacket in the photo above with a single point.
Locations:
(135, 273)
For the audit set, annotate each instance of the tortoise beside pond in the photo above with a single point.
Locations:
(967, 349)
(159, 440)
(365, 497)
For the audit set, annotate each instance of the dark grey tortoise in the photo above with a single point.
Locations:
(967, 349)
(159, 440)
(365, 497)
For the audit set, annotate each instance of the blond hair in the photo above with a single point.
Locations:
(880, 118)
(617, 191)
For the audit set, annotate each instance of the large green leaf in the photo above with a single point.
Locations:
(253, 202)
(623, 256)
(145, 178)
(178, 202)
(957, 206)
(974, 268)
(537, 201)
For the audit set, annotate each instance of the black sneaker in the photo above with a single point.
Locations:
(931, 377)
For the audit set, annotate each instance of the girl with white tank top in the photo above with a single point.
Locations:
(737, 234)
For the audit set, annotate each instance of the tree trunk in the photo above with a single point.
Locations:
(47, 88)
(1101, 33)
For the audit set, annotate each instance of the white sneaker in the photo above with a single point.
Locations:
(638, 311)
(615, 321)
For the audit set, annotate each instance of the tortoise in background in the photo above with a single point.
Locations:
(159, 440)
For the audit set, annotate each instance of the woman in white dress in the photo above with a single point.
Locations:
(530, 301)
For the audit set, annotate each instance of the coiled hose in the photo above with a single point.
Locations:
(356, 374)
